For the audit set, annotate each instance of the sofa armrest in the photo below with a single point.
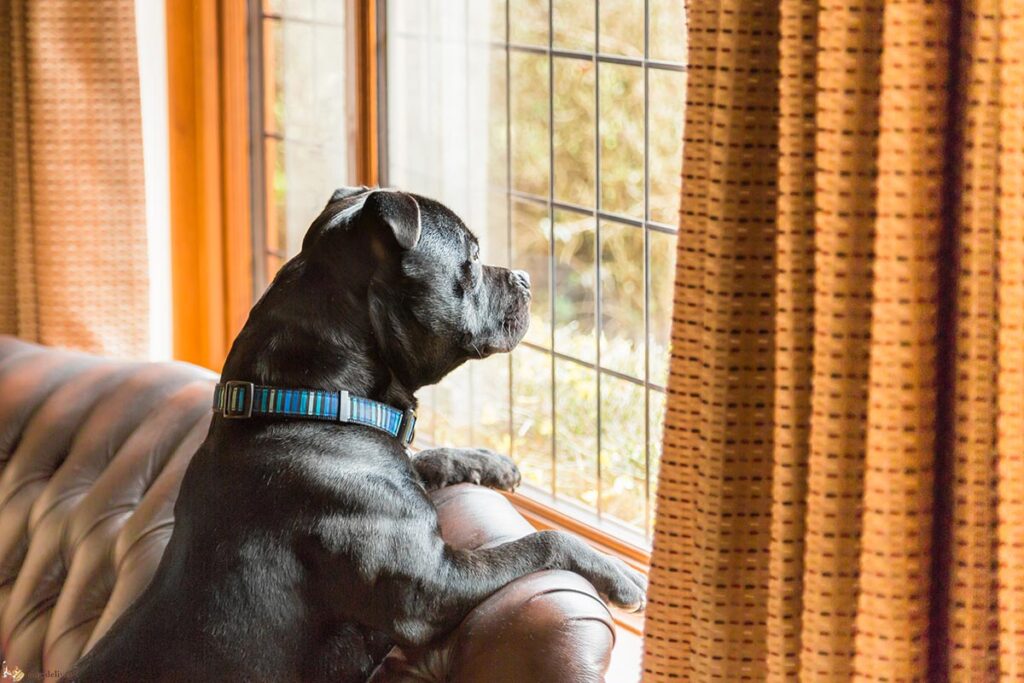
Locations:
(547, 627)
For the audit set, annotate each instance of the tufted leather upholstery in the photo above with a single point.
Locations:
(92, 452)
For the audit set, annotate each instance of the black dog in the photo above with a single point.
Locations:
(304, 549)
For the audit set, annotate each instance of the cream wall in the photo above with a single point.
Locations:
(152, 48)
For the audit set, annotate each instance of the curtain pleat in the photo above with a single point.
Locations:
(793, 333)
(841, 493)
(671, 648)
(1010, 377)
(73, 260)
(972, 602)
(715, 538)
(893, 600)
(846, 171)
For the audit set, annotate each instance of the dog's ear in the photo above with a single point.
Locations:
(346, 192)
(398, 211)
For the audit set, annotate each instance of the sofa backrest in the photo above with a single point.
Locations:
(92, 453)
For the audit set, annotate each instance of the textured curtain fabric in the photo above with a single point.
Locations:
(73, 263)
(841, 495)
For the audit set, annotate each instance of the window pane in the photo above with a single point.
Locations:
(662, 274)
(322, 11)
(494, 242)
(576, 433)
(530, 144)
(495, 122)
(273, 95)
(276, 188)
(275, 198)
(622, 451)
(622, 27)
(528, 22)
(330, 11)
(407, 17)
(531, 415)
(469, 407)
(415, 132)
(497, 19)
(489, 404)
(574, 24)
(330, 102)
(306, 93)
(293, 9)
(450, 416)
(304, 176)
(531, 252)
(667, 30)
(439, 106)
(574, 130)
(305, 135)
(622, 298)
(575, 280)
(622, 139)
(667, 99)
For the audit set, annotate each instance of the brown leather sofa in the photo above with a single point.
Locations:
(92, 452)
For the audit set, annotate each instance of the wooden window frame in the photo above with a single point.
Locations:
(211, 250)
(211, 157)
(364, 38)
(213, 200)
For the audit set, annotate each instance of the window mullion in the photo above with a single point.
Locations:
(598, 321)
(551, 245)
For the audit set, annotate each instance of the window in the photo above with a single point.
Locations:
(554, 128)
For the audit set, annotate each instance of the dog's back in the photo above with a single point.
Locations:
(236, 596)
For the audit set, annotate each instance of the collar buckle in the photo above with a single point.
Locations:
(238, 397)
(407, 428)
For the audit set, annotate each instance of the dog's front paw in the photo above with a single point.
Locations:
(616, 581)
(628, 588)
(440, 467)
(489, 468)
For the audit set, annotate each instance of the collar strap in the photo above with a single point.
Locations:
(234, 400)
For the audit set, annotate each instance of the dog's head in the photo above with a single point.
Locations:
(431, 302)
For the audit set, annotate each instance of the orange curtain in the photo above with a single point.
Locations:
(841, 495)
(73, 263)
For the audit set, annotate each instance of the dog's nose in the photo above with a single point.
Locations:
(521, 278)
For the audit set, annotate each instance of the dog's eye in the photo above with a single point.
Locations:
(470, 276)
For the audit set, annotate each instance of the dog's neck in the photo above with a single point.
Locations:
(309, 334)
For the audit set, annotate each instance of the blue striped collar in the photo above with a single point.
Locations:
(244, 399)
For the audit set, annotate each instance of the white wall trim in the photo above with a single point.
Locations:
(151, 38)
